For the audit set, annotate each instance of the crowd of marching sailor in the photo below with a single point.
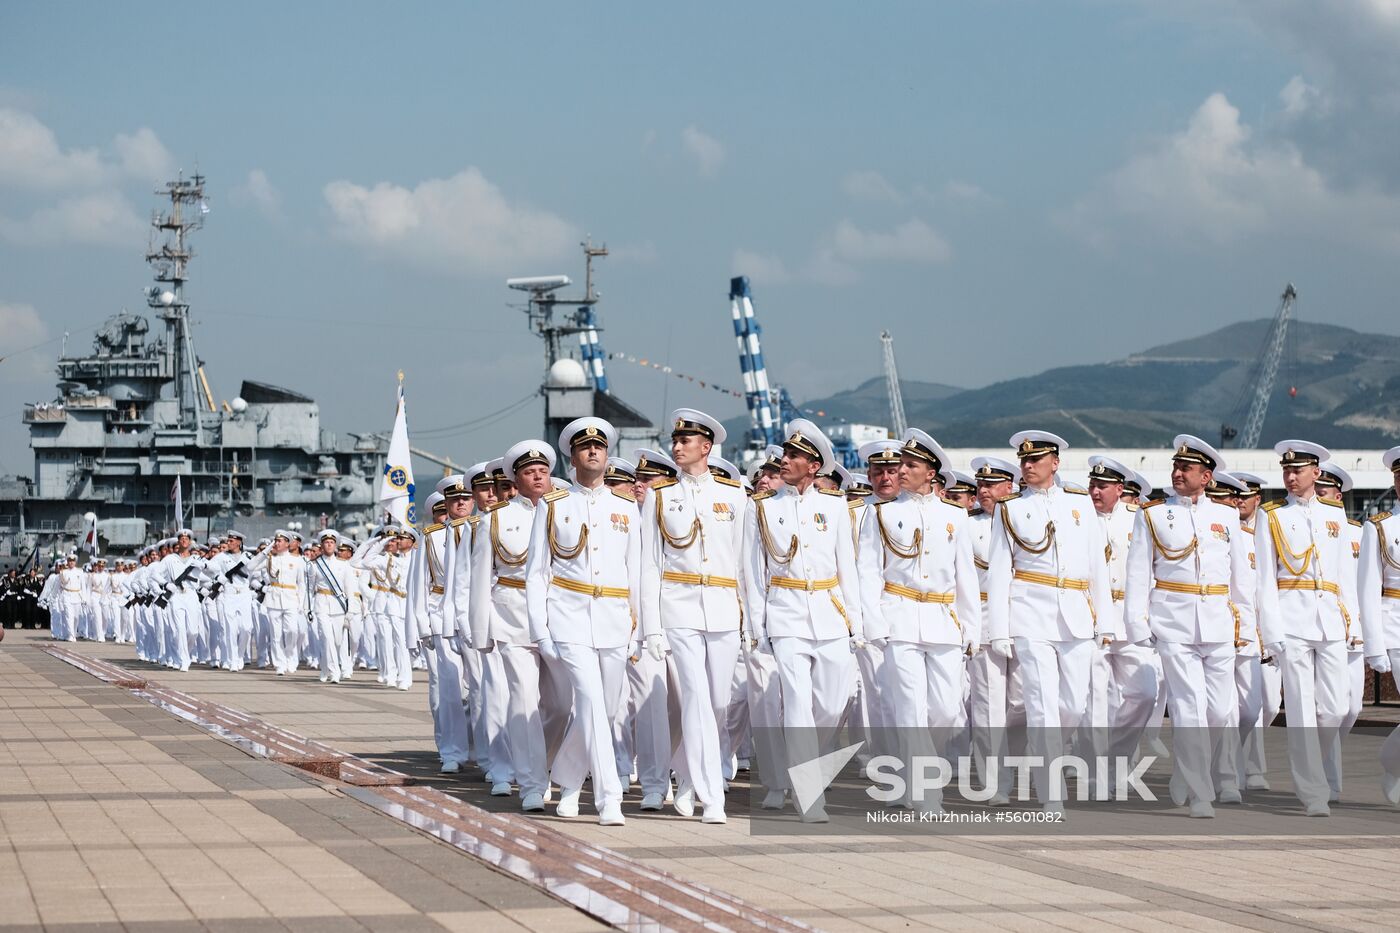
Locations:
(666, 621)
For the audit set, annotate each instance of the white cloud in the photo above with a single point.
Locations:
(709, 153)
(142, 156)
(770, 270)
(462, 223)
(1211, 182)
(258, 191)
(105, 218)
(20, 329)
(30, 156)
(869, 185)
(1298, 96)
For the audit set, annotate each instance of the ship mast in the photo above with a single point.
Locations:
(169, 255)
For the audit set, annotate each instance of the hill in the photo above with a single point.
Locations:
(1347, 382)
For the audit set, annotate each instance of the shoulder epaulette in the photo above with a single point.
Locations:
(1355, 521)
(663, 482)
(1151, 502)
(1014, 495)
(1276, 504)
(976, 511)
(555, 495)
(946, 501)
(495, 505)
(622, 494)
(1378, 518)
(856, 503)
(1076, 490)
(767, 493)
(1335, 503)
(473, 520)
(436, 526)
(832, 492)
(1132, 506)
(726, 481)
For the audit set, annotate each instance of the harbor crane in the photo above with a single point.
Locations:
(897, 420)
(1260, 387)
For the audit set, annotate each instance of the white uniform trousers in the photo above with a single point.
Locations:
(871, 713)
(1256, 762)
(816, 680)
(385, 648)
(1205, 714)
(996, 710)
(765, 693)
(737, 737)
(523, 669)
(1249, 695)
(354, 633)
(235, 608)
(158, 622)
(644, 725)
(704, 665)
(1390, 748)
(282, 639)
(487, 703)
(1134, 680)
(1055, 687)
(596, 676)
(1356, 682)
(925, 687)
(212, 629)
(310, 643)
(450, 715)
(329, 629)
(263, 634)
(185, 618)
(1315, 692)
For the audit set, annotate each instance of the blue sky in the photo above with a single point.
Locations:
(1006, 186)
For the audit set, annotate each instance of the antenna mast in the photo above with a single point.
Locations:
(169, 256)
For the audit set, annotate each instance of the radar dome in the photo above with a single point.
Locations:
(89, 517)
(239, 405)
(567, 374)
(167, 298)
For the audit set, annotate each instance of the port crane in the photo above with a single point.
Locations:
(1260, 387)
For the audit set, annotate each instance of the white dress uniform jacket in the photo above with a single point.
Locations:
(492, 604)
(583, 573)
(1189, 573)
(802, 579)
(917, 573)
(1379, 589)
(1047, 574)
(1303, 557)
(692, 541)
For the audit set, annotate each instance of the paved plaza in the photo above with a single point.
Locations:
(113, 811)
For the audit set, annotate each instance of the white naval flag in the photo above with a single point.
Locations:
(396, 487)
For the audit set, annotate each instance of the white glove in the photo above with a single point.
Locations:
(655, 647)
(548, 648)
(1274, 649)
(765, 645)
(1002, 647)
(1380, 663)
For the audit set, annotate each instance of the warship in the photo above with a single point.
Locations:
(134, 423)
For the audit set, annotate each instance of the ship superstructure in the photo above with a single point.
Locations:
(137, 412)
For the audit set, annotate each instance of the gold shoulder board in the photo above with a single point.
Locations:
(459, 522)
(1077, 490)
(1151, 502)
(473, 520)
(1378, 518)
(495, 505)
(1014, 495)
(1276, 504)
(1132, 506)
(832, 492)
(436, 526)
(1355, 521)
(976, 511)
(663, 482)
(758, 495)
(726, 481)
(617, 491)
(555, 495)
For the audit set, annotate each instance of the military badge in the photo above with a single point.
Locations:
(1334, 529)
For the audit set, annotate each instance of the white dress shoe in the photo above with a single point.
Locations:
(1390, 787)
(1230, 795)
(1257, 782)
(713, 815)
(611, 815)
(1318, 809)
(533, 802)
(500, 789)
(449, 767)
(774, 800)
(568, 802)
(1202, 810)
(685, 801)
(652, 802)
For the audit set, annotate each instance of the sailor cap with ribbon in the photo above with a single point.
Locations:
(1297, 453)
(479, 476)
(584, 431)
(694, 421)
(994, 470)
(1187, 448)
(653, 463)
(920, 444)
(620, 470)
(1391, 459)
(1108, 470)
(1333, 475)
(957, 481)
(884, 452)
(1225, 485)
(722, 467)
(807, 439)
(435, 501)
(528, 453)
(1037, 444)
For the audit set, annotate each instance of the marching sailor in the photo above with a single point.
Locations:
(425, 588)
(581, 591)
(803, 596)
(283, 600)
(1379, 594)
(1302, 560)
(691, 549)
(1332, 483)
(1188, 591)
(1047, 583)
(328, 579)
(921, 604)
